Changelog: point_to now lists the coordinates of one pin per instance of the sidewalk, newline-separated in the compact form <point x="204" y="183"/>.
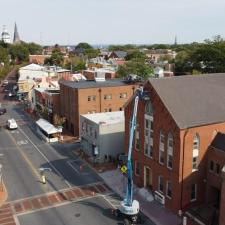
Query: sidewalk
<point x="152" y="209"/>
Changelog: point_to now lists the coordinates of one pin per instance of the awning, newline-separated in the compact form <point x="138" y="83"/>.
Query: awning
<point x="48" y="127"/>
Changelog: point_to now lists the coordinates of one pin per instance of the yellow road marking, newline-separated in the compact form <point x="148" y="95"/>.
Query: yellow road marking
<point x="33" y="169"/>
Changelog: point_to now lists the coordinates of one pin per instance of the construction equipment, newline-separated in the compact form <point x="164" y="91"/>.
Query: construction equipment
<point x="129" y="208"/>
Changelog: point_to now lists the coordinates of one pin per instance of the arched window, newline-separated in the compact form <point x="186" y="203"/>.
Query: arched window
<point x="196" y="144"/>
<point x="148" y="147"/>
<point x="149" y="109"/>
<point x="170" y="151"/>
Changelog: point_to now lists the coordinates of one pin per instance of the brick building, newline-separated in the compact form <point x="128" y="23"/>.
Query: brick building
<point x="174" y="143"/>
<point x="77" y="98"/>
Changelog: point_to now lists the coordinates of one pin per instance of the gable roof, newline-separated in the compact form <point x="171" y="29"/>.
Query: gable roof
<point x="193" y="100"/>
<point x="219" y="141"/>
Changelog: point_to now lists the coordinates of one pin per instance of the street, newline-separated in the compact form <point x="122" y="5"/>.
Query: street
<point x="24" y="152"/>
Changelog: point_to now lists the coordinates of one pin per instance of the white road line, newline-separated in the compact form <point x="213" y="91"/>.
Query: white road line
<point x="77" y="171"/>
<point x="44" y="156"/>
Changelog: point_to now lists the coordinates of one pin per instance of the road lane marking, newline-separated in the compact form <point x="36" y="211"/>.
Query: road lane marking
<point x="44" y="156"/>
<point x="25" y="157"/>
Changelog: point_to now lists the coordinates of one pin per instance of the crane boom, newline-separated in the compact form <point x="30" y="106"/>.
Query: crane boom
<point x="129" y="194"/>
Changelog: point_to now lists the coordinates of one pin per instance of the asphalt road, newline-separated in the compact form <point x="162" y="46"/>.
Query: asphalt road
<point x="94" y="211"/>
<point x="24" y="153"/>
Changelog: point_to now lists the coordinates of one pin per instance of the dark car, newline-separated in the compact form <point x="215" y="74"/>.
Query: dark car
<point x="2" y="111"/>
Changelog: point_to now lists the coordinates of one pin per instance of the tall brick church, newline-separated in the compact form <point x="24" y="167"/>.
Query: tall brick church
<point x="179" y="143"/>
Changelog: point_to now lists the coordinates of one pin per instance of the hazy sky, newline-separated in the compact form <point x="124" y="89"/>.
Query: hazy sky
<point x="114" y="21"/>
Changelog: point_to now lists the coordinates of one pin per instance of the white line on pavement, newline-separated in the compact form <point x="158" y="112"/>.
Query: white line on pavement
<point x="44" y="156"/>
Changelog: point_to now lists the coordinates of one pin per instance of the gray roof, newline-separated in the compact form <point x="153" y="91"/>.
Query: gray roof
<point x="193" y="100"/>
<point x="121" y="54"/>
<point x="219" y="141"/>
<point x="94" y="84"/>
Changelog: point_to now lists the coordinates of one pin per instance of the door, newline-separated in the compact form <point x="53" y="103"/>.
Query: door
<point x="147" y="177"/>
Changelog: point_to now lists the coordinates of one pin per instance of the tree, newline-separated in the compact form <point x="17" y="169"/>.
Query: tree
<point x="19" y="53"/>
<point x="134" y="67"/>
<point x="83" y="45"/>
<point x="56" y="58"/>
<point x="136" y="55"/>
<point x="4" y="55"/>
<point x="34" y="49"/>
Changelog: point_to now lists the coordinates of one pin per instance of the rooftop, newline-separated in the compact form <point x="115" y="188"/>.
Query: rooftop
<point x="106" y="118"/>
<point x="193" y="100"/>
<point x="93" y="84"/>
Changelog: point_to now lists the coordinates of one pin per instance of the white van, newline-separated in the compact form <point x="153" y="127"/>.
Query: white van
<point x="11" y="124"/>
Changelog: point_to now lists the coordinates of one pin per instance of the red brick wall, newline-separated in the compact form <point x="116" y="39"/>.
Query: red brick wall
<point x="222" y="201"/>
<point x="181" y="175"/>
<point x="74" y="102"/>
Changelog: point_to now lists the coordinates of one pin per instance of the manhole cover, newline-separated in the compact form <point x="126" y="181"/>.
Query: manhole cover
<point x="77" y="215"/>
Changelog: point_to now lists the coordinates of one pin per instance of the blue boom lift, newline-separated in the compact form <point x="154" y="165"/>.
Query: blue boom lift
<point x="129" y="208"/>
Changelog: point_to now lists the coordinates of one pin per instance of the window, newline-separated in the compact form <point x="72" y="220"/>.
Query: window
<point x="170" y="151"/>
<point x="91" y="98"/>
<point x="137" y="140"/>
<point x="95" y="134"/>
<point x="211" y="166"/>
<point x="148" y="132"/>
<point x="161" y="147"/>
<point x="123" y="95"/>
<point x="137" y="168"/>
<point x="169" y="189"/>
<point x="110" y="110"/>
<point x="105" y="110"/>
<point x="195" y="153"/>
<point x="193" y="192"/>
<point x="217" y="168"/>
<point x="160" y="187"/>
<point x="120" y="109"/>
<point x="108" y="97"/>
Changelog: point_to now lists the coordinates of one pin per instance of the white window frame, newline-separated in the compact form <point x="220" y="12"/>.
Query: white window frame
<point x="137" y="136"/>
<point x="194" y="199"/>
<point x="137" y="162"/>
<point x="170" y="151"/>
<point x="195" y="157"/>
<point x="159" y="182"/>
<point x="162" y="147"/>
<point x="167" y="186"/>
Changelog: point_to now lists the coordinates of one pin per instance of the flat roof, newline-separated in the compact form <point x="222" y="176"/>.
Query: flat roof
<point x="94" y="84"/>
<point x="106" y="118"/>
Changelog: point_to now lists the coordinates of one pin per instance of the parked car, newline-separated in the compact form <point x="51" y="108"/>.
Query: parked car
<point x="2" y="111"/>
<point x="11" y="124"/>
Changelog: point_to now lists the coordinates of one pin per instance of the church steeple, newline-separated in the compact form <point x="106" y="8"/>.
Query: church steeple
<point x="175" y="41"/>
<point x="16" y="37"/>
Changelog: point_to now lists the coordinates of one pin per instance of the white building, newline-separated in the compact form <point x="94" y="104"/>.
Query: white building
<point x="5" y="36"/>
<point x="102" y="135"/>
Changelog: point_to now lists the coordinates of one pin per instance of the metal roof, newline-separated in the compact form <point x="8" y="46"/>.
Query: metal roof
<point x="93" y="84"/>
<point x="193" y="100"/>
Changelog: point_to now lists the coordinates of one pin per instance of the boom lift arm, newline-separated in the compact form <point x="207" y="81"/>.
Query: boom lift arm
<point x="129" y="208"/>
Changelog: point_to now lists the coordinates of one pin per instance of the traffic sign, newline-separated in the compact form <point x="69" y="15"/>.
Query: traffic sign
<point x="124" y="169"/>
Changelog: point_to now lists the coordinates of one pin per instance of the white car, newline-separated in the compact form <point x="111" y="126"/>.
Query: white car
<point x="11" y="124"/>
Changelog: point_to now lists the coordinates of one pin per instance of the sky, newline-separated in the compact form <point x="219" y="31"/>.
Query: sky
<point x="68" y="22"/>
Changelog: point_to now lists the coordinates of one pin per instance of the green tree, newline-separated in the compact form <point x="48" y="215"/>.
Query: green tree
<point x="4" y="55"/>
<point x="19" y="53"/>
<point x="135" y="67"/>
<point x="136" y="55"/>
<point x="83" y="45"/>
<point x="56" y="58"/>
<point x="34" y="49"/>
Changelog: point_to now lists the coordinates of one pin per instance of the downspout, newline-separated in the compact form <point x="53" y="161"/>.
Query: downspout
<point x="181" y="199"/>
<point x="100" y="99"/>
